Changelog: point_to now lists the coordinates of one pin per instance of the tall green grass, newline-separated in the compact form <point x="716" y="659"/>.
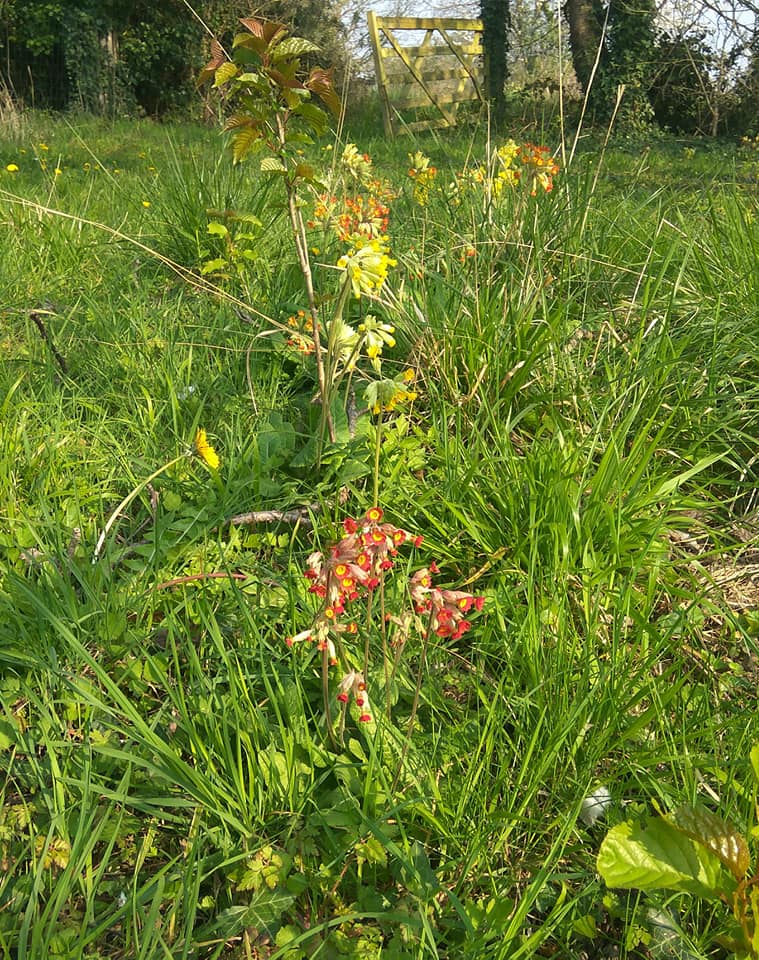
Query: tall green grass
<point x="587" y="406"/>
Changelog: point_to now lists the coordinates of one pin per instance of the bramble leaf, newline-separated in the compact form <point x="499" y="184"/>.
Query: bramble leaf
<point x="660" y="857"/>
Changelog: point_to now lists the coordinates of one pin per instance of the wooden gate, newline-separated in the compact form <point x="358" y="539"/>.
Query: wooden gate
<point x="438" y="74"/>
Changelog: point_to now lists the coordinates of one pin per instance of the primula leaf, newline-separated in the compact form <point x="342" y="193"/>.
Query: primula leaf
<point x="659" y="857"/>
<point x="714" y="833"/>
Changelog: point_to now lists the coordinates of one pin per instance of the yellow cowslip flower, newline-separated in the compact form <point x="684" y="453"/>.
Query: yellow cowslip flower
<point x="205" y="451"/>
<point x="385" y="395"/>
<point x="367" y="264"/>
<point x="146" y="203"/>
<point x="44" y="146"/>
<point x="12" y="168"/>
<point x="376" y="336"/>
<point x="58" y="171"/>
<point x="358" y="165"/>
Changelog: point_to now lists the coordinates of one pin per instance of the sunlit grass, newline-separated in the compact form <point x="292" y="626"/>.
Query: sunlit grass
<point x="582" y="452"/>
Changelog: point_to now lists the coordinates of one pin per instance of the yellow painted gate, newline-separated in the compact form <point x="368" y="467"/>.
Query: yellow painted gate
<point x="435" y="75"/>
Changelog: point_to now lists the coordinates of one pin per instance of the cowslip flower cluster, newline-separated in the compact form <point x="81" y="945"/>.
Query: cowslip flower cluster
<point x="446" y="609"/>
<point x="354" y="683"/>
<point x="539" y="164"/>
<point x="355" y="164"/>
<point x="367" y="264"/>
<point x="301" y="338"/>
<point x="356" y="561"/>
<point x="385" y="395"/>
<point x="511" y="164"/>
<point x="350" y="571"/>
<point x="366" y="215"/>
<point x="376" y="336"/>
<point x="423" y="174"/>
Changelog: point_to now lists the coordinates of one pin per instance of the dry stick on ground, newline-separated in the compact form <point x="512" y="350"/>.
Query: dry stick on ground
<point x="36" y="317"/>
<point x="301" y="515"/>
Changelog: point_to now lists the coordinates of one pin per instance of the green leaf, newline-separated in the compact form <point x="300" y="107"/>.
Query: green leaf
<point x="754" y="756"/>
<point x="217" y="229"/>
<point x="262" y="912"/>
<point x="244" y="141"/>
<point x="272" y="165"/>
<point x="226" y="72"/>
<point x="314" y="116"/>
<point x="212" y="266"/>
<point x="714" y="833"/>
<point x="659" y="857"/>
<point x="293" y="47"/>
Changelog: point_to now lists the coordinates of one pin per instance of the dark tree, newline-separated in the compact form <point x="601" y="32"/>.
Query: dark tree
<point x="585" y="19"/>
<point x="496" y="20"/>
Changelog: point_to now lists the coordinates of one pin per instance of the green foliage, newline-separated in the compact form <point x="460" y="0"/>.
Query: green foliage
<point x="694" y="851"/>
<point x="681" y="84"/>
<point x="580" y="451"/>
<point x="118" y="57"/>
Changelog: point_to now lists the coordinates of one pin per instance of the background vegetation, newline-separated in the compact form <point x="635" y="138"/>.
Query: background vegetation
<point x="582" y="453"/>
<point x="689" y="66"/>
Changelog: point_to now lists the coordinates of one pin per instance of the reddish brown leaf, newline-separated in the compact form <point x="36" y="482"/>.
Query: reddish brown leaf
<point x="217" y="59"/>
<point x="320" y="82"/>
<point x="265" y="30"/>
<point x="282" y="80"/>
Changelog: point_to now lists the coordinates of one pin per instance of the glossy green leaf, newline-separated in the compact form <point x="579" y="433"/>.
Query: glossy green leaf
<point x="293" y="47"/>
<point x="659" y="857"/>
<point x="714" y="833"/>
<point x="226" y="72"/>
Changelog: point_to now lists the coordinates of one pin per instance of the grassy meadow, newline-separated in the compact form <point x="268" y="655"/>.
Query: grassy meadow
<point x="579" y="449"/>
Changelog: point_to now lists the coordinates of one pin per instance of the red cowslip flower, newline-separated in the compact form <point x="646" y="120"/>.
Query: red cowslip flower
<point x="445" y="608"/>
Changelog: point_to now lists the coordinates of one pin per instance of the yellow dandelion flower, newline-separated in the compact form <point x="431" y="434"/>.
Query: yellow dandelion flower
<point x="205" y="451"/>
<point x="58" y="171"/>
<point x="44" y="146"/>
<point x="146" y="203"/>
<point x="12" y="168"/>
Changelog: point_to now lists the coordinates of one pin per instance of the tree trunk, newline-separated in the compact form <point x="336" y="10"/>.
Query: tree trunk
<point x="584" y="38"/>
<point x="496" y="20"/>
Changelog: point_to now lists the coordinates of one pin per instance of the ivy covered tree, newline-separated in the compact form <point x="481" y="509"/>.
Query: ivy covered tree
<point x="496" y="20"/>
